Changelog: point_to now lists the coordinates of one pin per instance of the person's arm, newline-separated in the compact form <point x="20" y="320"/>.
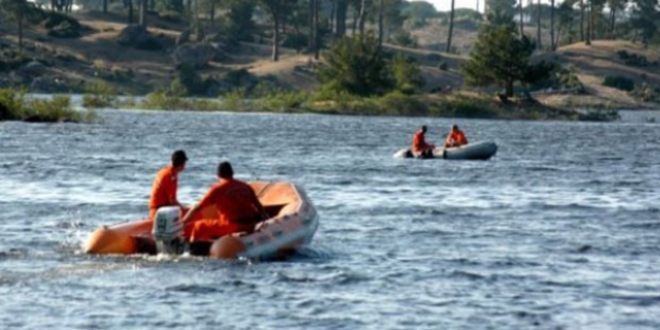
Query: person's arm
<point x="206" y="200"/>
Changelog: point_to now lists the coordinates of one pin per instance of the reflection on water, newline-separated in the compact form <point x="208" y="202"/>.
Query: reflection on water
<point x="557" y="231"/>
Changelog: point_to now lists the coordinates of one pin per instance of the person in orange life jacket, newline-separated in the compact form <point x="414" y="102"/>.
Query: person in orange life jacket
<point x="456" y="138"/>
<point x="419" y="145"/>
<point x="163" y="191"/>
<point x="237" y="205"/>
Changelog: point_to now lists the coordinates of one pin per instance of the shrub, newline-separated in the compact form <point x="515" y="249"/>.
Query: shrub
<point x="187" y="82"/>
<point x="404" y="38"/>
<point x="282" y="101"/>
<point x="297" y="41"/>
<point x="99" y="95"/>
<point x="234" y="100"/>
<point x="398" y="103"/>
<point x="171" y="16"/>
<point x="356" y="66"/>
<point x="634" y="59"/>
<point x="406" y="73"/>
<point x="619" y="82"/>
<point x="646" y="93"/>
<point x="14" y="106"/>
<point x="443" y="66"/>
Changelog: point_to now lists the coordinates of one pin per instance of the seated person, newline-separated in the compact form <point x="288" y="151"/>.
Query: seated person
<point x="237" y="205"/>
<point x="456" y="138"/>
<point x="419" y="145"/>
<point x="163" y="192"/>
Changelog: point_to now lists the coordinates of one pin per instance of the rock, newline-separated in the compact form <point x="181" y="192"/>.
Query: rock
<point x="197" y="55"/>
<point x="183" y="37"/>
<point x="138" y="37"/>
<point x="48" y="85"/>
<point x="34" y="68"/>
<point x="65" y="30"/>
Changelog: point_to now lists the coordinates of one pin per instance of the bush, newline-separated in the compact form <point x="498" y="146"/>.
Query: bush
<point x="397" y="103"/>
<point x="356" y="66"/>
<point x="99" y="95"/>
<point x="234" y="100"/>
<point x="171" y="16"/>
<point x="282" y="101"/>
<point x="646" y="93"/>
<point x="406" y="73"/>
<point x="14" y="106"/>
<point x="297" y="41"/>
<point x="404" y="38"/>
<point x="619" y="82"/>
<point x="187" y="82"/>
<point x="634" y="59"/>
<point x="560" y="78"/>
<point x="443" y="66"/>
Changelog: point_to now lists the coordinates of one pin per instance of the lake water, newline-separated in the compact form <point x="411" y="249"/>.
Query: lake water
<point x="560" y="230"/>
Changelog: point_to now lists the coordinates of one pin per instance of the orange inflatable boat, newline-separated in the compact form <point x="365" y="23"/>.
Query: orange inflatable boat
<point x="292" y="223"/>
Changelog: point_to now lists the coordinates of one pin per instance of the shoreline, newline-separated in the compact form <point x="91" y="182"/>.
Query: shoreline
<point x="458" y="104"/>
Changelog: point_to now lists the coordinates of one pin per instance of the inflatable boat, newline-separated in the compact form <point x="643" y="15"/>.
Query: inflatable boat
<point x="292" y="222"/>
<point x="482" y="150"/>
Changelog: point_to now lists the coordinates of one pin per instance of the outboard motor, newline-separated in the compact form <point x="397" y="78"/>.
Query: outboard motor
<point x="168" y="231"/>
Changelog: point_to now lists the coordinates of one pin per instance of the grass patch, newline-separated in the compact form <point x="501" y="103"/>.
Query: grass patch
<point x="15" y="106"/>
<point x="99" y="95"/>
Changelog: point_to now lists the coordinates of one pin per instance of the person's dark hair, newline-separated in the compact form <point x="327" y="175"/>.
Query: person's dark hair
<point x="455" y="127"/>
<point x="179" y="158"/>
<point x="225" y="171"/>
<point x="424" y="128"/>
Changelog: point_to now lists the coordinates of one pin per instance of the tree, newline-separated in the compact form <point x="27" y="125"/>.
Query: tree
<point x="646" y="19"/>
<point x="522" y="17"/>
<point x="239" y="19"/>
<point x="340" y="17"/>
<point x="407" y="76"/>
<point x="553" y="46"/>
<point x="356" y="66"/>
<point x="501" y="57"/>
<point x="538" y="25"/>
<point x="615" y="6"/>
<point x="273" y="6"/>
<point x="501" y="10"/>
<point x="566" y="16"/>
<point x="451" y="27"/>
<point x="363" y="15"/>
<point x="419" y="11"/>
<point x="581" y="20"/>
<point x="18" y="10"/>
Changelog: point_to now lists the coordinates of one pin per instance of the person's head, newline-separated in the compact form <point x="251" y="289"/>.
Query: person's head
<point x="179" y="159"/>
<point x="454" y="128"/>
<point x="225" y="171"/>
<point x="423" y="128"/>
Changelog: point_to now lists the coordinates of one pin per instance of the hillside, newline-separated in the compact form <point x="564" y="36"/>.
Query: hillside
<point x="69" y="64"/>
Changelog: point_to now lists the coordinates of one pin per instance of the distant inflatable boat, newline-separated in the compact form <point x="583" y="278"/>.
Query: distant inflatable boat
<point x="474" y="151"/>
<point x="292" y="224"/>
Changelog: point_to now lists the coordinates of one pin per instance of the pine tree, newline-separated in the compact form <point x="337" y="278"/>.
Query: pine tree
<point x="501" y="57"/>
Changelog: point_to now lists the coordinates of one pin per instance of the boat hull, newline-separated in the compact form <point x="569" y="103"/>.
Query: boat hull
<point x="483" y="150"/>
<point x="293" y="223"/>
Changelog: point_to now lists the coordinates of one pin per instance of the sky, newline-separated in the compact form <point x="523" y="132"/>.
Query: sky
<point x="444" y="5"/>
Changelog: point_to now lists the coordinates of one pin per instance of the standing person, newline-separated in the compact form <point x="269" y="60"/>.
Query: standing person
<point x="237" y="205"/>
<point x="456" y="138"/>
<point x="163" y="192"/>
<point x="419" y="145"/>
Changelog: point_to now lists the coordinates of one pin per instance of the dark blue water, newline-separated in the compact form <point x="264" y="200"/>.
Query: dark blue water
<point x="560" y="230"/>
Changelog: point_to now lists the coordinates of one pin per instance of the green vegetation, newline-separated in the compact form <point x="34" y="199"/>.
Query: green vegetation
<point x="502" y="57"/>
<point x="15" y="106"/>
<point x="619" y="82"/>
<point x="99" y="95"/>
<point x="356" y="66"/>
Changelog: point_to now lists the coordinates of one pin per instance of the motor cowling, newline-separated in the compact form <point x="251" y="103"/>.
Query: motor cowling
<point x="168" y="230"/>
